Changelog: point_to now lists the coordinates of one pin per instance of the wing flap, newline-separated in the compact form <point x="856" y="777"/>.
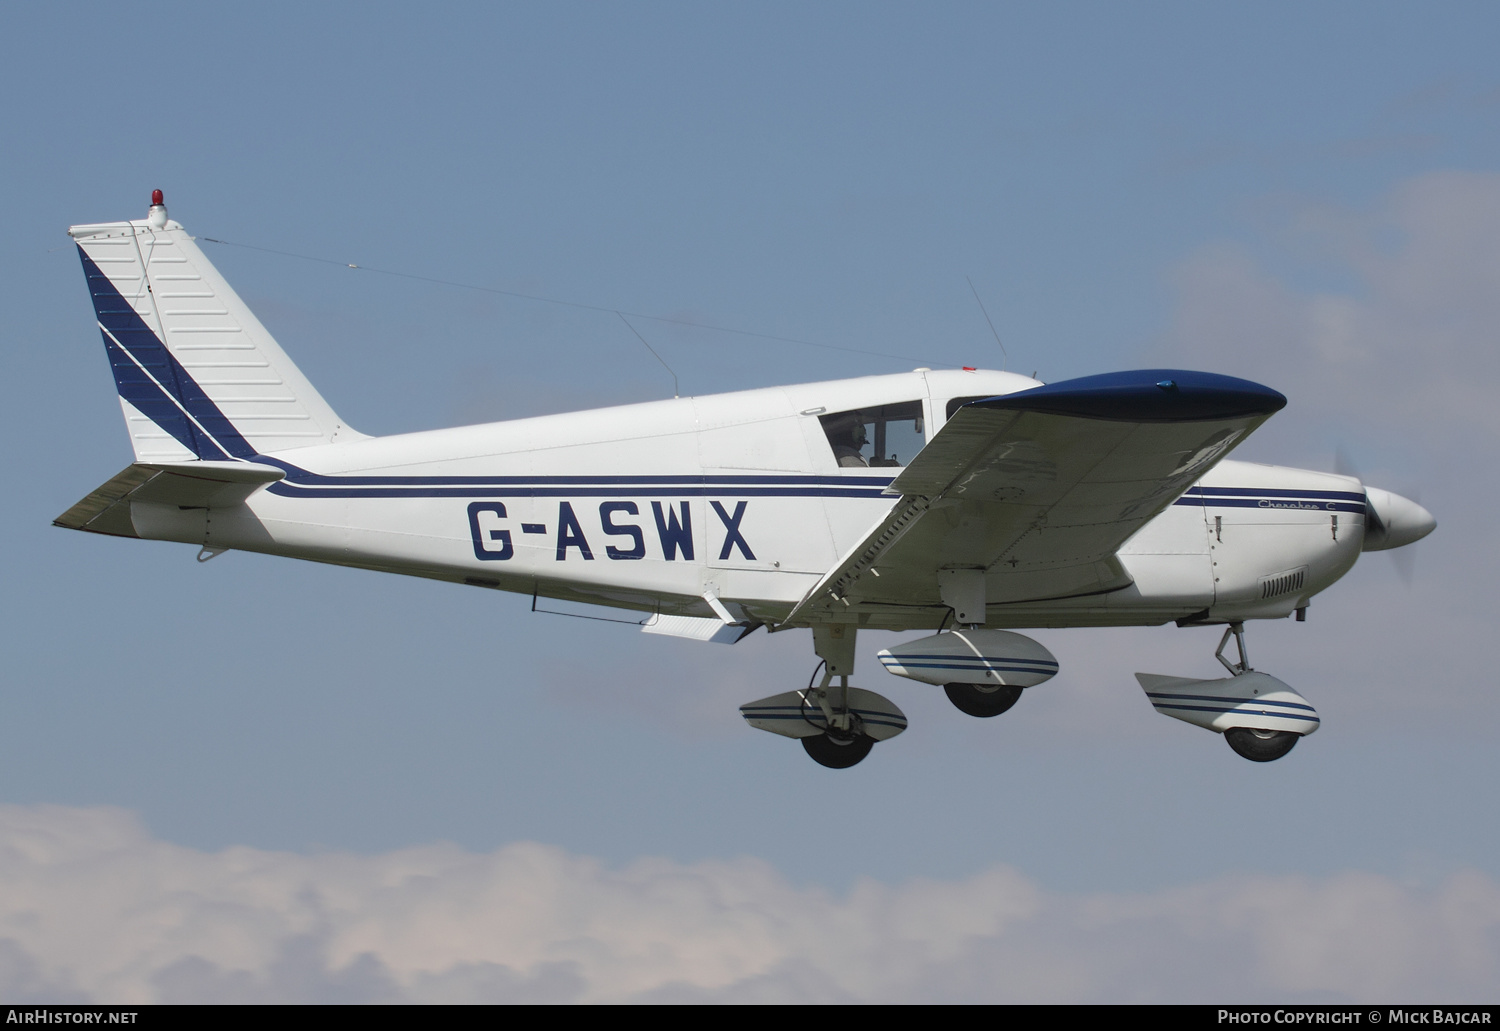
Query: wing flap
<point x="695" y="628"/>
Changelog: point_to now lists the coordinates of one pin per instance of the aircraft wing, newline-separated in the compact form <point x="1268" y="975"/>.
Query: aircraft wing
<point x="1041" y="487"/>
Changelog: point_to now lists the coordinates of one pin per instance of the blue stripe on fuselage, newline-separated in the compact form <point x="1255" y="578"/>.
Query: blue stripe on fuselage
<point x="1271" y="499"/>
<point x="623" y="491"/>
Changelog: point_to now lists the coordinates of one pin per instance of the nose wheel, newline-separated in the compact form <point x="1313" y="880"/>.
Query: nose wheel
<point x="1260" y="746"/>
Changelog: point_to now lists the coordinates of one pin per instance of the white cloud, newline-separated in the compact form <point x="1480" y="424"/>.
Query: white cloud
<point x="93" y="907"/>
<point x="1382" y="326"/>
<point x="1410" y="341"/>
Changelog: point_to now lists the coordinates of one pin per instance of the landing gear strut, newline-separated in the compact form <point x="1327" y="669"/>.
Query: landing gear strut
<point x="1237" y="630"/>
<point x="1259" y="746"/>
<point x="843" y="741"/>
<point x="837" y="724"/>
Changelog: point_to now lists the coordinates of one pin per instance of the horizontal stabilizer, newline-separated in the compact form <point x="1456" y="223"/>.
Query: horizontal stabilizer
<point x="184" y="484"/>
<point x="101" y="512"/>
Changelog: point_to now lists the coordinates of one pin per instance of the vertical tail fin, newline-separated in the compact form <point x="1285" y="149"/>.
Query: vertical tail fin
<point x="199" y="377"/>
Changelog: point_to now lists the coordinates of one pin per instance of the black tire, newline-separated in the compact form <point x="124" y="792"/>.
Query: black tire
<point x="981" y="699"/>
<point x="1260" y="746"/>
<point x="838" y="753"/>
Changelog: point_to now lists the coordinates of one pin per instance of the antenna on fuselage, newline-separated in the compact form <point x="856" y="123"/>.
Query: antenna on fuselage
<point x="1003" y="351"/>
<point x="664" y="365"/>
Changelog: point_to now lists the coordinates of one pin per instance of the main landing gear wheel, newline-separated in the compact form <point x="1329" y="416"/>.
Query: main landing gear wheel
<point x="838" y="752"/>
<point x="982" y="699"/>
<point x="1260" y="746"/>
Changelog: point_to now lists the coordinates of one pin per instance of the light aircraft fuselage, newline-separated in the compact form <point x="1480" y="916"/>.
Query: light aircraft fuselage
<point x="739" y="494"/>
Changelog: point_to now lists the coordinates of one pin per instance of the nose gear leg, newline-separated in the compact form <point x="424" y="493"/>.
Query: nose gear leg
<point x="1237" y="630"/>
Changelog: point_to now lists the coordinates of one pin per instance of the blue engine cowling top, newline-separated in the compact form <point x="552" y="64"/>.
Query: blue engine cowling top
<point x="993" y="657"/>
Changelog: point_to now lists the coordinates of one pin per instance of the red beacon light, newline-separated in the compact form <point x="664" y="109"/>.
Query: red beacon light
<point x="157" y="216"/>
<point x="967" y="368"/>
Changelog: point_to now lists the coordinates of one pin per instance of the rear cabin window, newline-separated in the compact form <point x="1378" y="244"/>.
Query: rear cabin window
<point x="887" y="435"/>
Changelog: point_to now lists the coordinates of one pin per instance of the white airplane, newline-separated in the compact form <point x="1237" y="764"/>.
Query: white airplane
<point x="953" y="502"/>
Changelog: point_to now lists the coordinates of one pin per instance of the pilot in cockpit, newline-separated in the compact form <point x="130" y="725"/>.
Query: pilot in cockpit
<point x="848" y="439"/>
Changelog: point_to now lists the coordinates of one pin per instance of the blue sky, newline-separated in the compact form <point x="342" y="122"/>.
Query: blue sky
<point x="1305" y="194"/>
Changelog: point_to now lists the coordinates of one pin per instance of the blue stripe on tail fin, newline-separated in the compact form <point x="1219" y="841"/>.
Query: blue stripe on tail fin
<point x="153" y="381"/>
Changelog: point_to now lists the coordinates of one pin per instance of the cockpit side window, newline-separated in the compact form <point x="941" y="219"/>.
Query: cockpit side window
<point x="887" y="435"/>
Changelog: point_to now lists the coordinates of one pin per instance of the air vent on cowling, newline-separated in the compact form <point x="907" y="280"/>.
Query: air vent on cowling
<point x="1277" y="584"/>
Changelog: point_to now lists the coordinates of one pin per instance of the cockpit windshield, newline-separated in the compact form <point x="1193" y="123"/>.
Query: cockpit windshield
<point x="886" y="435"/>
